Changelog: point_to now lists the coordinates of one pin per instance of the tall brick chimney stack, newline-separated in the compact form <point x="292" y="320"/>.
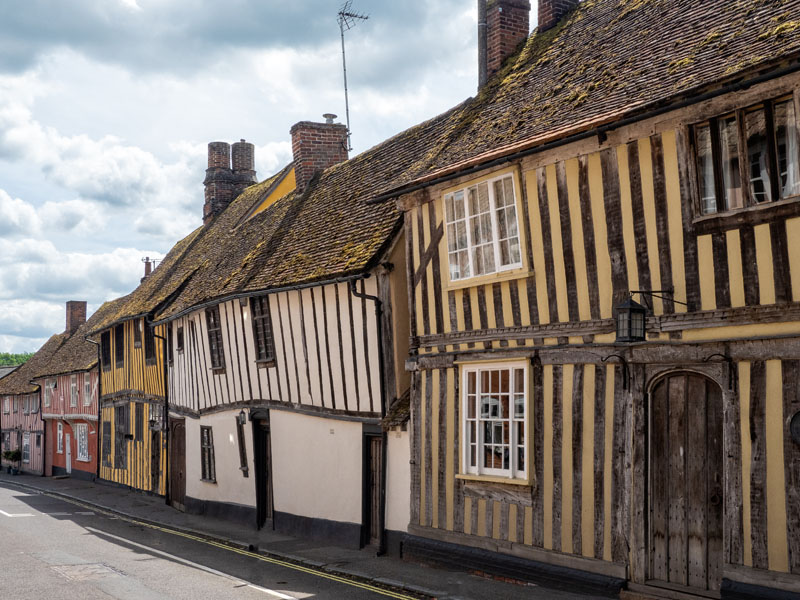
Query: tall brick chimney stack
<point x="244" y="166"/>
<point x="317" y="146"/>
<point x="219" y="181"/>
<point x="76" y="315"/>
<point x="551" y="11"/>
<point x="507" y="25"/>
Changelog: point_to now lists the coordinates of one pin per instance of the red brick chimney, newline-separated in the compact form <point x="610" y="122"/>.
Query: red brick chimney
<point x="76" y="315"/>
<point x="507" y="25"/>
<point x="219" y="180"/>
<point x="551" y="12"/>
<point x="244" y="166"/>
<point x="317" y="146"/>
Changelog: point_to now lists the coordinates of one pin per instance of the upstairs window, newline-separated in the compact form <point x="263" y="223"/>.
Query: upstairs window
<point x="495" y="420"/>
<point x="170" y="344"/>
<point x="262" y="329"/>
<point x="215" y="338"/>
<point x="482" y="230"/>
<point x="137" y="333"/>
<point x="748" y="157"/>
<point x="48" y="393"/>
<point x="179" y="339"/>
<point x="119" y="345"/>
<point x="149" y="345"/>
<point x="87" y="389"/>
<point x="25" y="407"/>
<point x="73" y="391"/>
<point x="105" y="350"/>
<point x="6" y="403"/>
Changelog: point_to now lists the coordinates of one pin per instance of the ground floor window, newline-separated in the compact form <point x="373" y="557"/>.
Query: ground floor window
<point x="106" y="444"/>
<point x="82" y="433"/>
<point x="26" y="447"/>
<point x="6" y="441"/>
<point x="495" y="419"/>
<point x="207" y="454"/>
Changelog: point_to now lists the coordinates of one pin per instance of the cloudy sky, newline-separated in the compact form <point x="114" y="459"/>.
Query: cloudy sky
<point x="106" y="108"/>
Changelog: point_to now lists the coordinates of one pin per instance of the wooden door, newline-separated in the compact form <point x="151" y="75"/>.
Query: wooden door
<point x="68" y="439"/>
<point x="262" y="449"/>
<point x="177" y="463"/>
<point x="155" y="461"/>
<point x="373" y="488"/>
<point x="685" y="483"/>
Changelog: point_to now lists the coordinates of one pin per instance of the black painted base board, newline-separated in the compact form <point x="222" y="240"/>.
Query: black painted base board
<point x="733" y="590"/>
<point x="465" y="558"/>
<point x="237" y="513"/>
<point x="347" y="535"/>
<point x="76" y="473"/>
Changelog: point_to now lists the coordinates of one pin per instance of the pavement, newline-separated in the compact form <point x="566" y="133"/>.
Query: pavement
<point x="363" y="565"/>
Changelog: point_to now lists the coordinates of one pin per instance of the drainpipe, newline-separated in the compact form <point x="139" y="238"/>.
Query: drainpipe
<point x="384" y="444"/>
<point x="99" y="433"/>
<point x="165" y="430"/>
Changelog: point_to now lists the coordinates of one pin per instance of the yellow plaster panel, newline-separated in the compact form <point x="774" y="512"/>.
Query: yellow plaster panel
<point x="416" y="260"/>
<point x="436" y="429"/>
<point x="674" y="216"/>
<point x="600" y="235"/>
<point x="777" y="543"/>
<point x="793" y="233"/>
<point x="536" y="243"/>
<point x="608" y="439"/>
<point x="651" y="228"/>
<point x="528" y="526"/>
<point x="566" y="459"/>
<point x="587" y="463"/>
<point x="766" y="278"/>
<point x="626" y="208"/>
<point x="578" y="245"/>
<point x="283" y="188"/>
<point x="482" y="518"/>
<point x="524" y="307"/>
<point x="547" y="493"/>
<point x="735" y="267"/>
<point x="557" y="244"/>
<point x="423" y="458"/>
<point x="450" y="376"/>
<point x="705" y="259"/>
<point x="512" y="519"/>
<point x="747" y="454"/>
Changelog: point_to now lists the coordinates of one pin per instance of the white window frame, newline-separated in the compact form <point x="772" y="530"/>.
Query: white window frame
<point x="513" y="472"/>
<point x="82" y="440"/>
<point x="34" y="404"/>
<point x="48" y="392"/>
<point x="26" y="447"/>
<point x="60" y="438"/>
<point x="87" y="389"/>
<point x="471" y="245"/>
<point x="16" y="405"/>
<point x="6" y="405"/>
<point x="73" y="391"/>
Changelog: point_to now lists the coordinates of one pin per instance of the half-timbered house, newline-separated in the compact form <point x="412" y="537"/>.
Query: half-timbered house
<point x="630" y="150"/>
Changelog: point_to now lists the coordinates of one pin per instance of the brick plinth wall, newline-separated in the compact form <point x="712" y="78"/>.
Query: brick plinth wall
<point x="551" y="11"/>
<point x="316" y="146"/>
<point x="76" y="315"/>
<point x="507" y="25"/>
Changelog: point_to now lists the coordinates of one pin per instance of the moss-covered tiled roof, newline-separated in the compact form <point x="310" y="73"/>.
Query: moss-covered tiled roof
<point x="605" y="60"/>
<point x="62" y="353"/>
<point x="608" y="59"/>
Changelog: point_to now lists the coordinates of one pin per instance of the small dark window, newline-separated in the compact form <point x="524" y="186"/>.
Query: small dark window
<point x="106" y="444"/>
<point x="139" y="421"/>
<point x="215" y="338"/>
<point x="242" y="449"/>
<point x="262" y="328"/>
<point x="119" y="345"/>
<point x="149" y="345"/>
<point x="38" y="440"/>
<point x="120" y="440"/>
<point x="170" y="349"/>
<point x="137" y="333"/>
<point x="179" y="339"/>
<point x="105" y="349"/>
<point x="207" y="454"/>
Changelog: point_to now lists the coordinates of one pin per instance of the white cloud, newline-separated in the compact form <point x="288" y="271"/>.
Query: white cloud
<point x="17" y="217"/>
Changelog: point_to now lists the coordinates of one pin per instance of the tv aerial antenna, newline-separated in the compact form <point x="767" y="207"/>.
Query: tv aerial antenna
<point x="347" y="20"/>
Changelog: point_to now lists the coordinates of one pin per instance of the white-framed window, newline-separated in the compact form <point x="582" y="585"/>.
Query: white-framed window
<point x="16" y="405"/>
<point x="87" y="389"/>
<point x="34" y="407"/>
<point x="495" y="419"/>
<point x="482" y="229"/>
<point x="82" y="433"/>
<point x="6" y="405"/>
<point x="25" y="405"/>
<point x="73" y="390"/>
<point x="48" y="393"/>
<point x="60" y="438"/>
<point x="26" y="447"/>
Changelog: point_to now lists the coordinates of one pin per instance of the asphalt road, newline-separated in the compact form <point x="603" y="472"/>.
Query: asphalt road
<point x="51" y="548"/>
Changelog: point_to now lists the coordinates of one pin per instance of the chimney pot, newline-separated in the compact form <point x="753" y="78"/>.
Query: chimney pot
<point x="317" y="146"/>
<point x="76" y="315"/>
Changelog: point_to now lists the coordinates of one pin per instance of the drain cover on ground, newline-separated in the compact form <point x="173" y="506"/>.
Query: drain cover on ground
<point x="90" y="572"/>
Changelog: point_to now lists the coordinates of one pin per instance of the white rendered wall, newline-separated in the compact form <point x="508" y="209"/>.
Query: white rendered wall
<point x="316" y="463"/>
<point x="398" y="481"/>
<point x="232" y="486"/>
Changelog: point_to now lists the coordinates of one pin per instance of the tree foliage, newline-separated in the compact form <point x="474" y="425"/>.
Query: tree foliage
<point x="8" y="359"/>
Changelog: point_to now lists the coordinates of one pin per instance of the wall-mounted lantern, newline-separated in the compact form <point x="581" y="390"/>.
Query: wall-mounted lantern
<point x="631" y="318"/>
<point x="242" y="418"/>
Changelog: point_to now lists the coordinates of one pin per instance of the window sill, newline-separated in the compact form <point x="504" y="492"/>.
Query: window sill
<point x="214" y="481"/>
<point x="493" y="479"/>
<point x="84" y="460"/>
<point x="510" y="275"/>
<point x="749" y="215"/>
<point x="266" y="363"/>
<point x="218" y="370"/>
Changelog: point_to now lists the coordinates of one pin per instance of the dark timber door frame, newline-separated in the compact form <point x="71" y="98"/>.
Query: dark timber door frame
<point x="262" y="458"/>
<point x="372" y="464"/>
<point x="685" y="483"/>
<point x="177" y="463"/>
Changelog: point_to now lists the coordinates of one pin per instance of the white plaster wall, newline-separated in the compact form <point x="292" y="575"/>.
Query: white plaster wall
<point x="398" y="481"/>
<point x="232" y="486"/>
<point x="317" y="466"/>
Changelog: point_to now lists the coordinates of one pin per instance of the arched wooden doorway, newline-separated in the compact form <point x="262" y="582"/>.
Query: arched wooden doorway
<point x="685" y="492"/>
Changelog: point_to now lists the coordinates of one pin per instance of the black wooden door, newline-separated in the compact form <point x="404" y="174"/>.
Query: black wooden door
<point x="263" y="465"/>
<point x="155" y="461"/>
<point x="685" y="482"/>
<point x="177" y="463"/>
<point x="373" y="487"/>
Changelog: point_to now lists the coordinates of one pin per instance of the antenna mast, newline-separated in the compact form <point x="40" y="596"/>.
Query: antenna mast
<point x="347" y="20"/>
